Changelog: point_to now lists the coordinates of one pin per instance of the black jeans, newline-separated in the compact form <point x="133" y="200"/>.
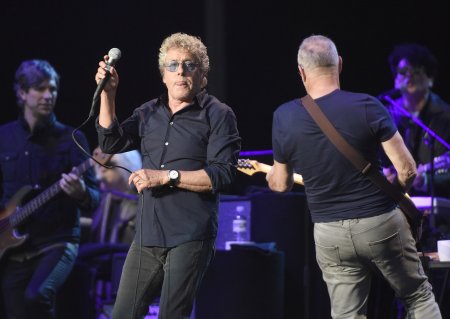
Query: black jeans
<point x="173" y="273"/>
<point x="28" y="287"/>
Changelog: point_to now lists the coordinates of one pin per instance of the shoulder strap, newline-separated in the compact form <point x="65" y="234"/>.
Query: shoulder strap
<point x="359" y="161"/>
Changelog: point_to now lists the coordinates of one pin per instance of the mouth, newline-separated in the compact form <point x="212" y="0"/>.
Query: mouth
<point x="181" y="83"/>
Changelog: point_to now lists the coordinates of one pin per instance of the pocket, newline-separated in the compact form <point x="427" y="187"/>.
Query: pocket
<point x="8" y="164"/>
<point x="386" y="249"/>
<point x="327" y="255"/>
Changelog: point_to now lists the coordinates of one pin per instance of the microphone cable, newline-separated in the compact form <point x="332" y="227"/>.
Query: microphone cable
<point x="114" y="55"/>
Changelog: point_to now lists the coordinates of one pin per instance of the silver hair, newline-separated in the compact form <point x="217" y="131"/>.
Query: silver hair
<point x="317" y="51"/>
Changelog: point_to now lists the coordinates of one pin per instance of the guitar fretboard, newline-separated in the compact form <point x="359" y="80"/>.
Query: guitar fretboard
<point x="24" y="212"/>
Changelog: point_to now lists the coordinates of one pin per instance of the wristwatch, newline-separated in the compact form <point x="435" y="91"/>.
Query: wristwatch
<point x="174" y="177"/>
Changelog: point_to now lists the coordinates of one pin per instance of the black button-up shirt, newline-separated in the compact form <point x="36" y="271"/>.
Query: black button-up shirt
<point x="38" y="159"/>
<point x="202" y="135"/>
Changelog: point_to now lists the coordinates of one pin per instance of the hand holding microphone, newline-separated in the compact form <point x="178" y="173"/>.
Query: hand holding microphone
<point x="104" y="73"/>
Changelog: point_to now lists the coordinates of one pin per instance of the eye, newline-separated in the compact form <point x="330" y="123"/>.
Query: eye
<point x="172" y="66"/>
<point x="402" y="71"/>
<point x="190" y="66"/>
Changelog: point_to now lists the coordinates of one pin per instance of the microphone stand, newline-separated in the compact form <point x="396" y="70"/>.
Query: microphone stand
<point x="417" y="121"/>
<point x="430" y="136"/>
<point x="429" y="141"/>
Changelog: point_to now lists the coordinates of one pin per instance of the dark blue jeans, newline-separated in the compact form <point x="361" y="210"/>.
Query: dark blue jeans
<point x="172" y="273"/>
<point x="29" y="286"/>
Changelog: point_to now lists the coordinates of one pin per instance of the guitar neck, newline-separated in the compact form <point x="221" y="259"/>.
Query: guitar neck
<point x="440" y="162"/>
<point x="250" y="167"/>
<point x="24" y="212"/>
<point x="264" y="168"/>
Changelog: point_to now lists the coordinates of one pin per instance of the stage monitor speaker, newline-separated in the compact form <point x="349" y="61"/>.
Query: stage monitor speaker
<point x="243" y="284"/>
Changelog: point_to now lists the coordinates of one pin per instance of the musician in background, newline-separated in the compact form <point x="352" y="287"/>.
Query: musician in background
<point x="38" y="150"/>
<point x="114" y="221"/>
<point x="414" y="69"/>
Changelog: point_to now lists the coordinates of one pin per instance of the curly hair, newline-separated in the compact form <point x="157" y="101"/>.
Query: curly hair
<point x="189" y="43"/>
<point x="417" y="55"/>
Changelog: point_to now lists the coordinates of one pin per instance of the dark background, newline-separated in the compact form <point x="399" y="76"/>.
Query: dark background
<point x="252" y="46"/>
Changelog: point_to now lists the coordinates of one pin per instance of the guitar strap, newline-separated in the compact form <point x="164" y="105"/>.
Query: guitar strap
<point x="413" y="214"/>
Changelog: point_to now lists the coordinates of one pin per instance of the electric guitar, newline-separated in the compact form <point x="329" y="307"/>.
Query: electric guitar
<point x="15" y="215"/>
<point x="251" y="167"/>
<point x="441" y="164"/>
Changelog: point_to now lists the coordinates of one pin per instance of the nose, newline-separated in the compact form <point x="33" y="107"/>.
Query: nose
<point x="49" y="94"/>
<point x="181" y="69"/>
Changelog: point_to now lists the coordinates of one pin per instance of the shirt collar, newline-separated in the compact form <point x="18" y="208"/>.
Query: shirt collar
<point x="41" y="126"/>
<point x="199" y="99"/>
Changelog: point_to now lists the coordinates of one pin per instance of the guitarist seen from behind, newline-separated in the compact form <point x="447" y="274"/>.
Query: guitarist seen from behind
<point x="357" y="226"/>
<point x="37" y="150"/>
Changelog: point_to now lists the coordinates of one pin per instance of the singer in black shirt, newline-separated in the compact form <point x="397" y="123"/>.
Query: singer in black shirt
<point x="189" y="144"/>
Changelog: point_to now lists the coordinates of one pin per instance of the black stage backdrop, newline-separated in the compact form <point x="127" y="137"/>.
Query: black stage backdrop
<point x="252" y="46"/>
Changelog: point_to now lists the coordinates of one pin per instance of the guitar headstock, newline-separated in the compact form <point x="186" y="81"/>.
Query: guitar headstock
<point x="247" y="166"/>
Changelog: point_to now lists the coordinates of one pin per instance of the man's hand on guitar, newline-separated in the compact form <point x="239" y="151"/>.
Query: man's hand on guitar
<point x="420" y="182"/>
<point x="73" y="185"/>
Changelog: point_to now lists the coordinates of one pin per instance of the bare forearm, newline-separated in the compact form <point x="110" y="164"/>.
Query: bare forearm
<point x="280" y="177"/>
<point x="196" y="181"/>
<point x="107" y="110"/>
<point x="402" y="160"/>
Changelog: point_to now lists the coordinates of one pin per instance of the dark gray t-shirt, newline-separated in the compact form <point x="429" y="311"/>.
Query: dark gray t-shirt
<point x="334" y="188"/>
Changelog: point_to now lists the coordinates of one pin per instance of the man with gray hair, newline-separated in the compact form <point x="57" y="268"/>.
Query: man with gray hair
<point x="189" y="144"/>
<point x="357" y="227"/>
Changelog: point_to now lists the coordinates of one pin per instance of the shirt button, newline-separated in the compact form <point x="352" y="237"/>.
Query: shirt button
<point x="171" y="123"/>
<point x="162" y="165"/>
<point x="26" y="153"/>
<point x="166" y="143"/>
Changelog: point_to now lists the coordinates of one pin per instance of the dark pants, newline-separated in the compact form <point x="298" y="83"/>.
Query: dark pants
<point x="173" y="273"/>
<point x="29" y="286"/>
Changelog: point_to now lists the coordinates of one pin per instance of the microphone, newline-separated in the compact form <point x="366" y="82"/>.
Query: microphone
<point x="114" y="56"/>
<point x="391" y="94"/>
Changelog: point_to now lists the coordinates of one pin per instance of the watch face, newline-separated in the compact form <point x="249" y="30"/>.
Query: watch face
<point x="173" y="174"/>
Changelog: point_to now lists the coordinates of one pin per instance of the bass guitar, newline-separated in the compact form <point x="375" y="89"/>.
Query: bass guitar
<point x="15" y="215"/>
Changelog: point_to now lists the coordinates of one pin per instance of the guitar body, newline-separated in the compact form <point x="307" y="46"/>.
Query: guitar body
<point x="9" y="238"/>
